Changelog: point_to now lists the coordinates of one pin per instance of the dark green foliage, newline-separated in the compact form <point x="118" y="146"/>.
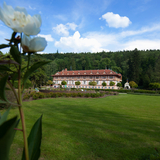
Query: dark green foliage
<point x="111" y="83"/>
<point x="133" y="84"/>
<point x="154" y="85"/>
<point x="77" y="83"/>
<point x="63" y="83"/>
<point x="93" y="83"/>
<point x="104" y="84"/>
<point x="7" y="133"/>
<point x="119" y="84"/>
<point x="34" y="141"/>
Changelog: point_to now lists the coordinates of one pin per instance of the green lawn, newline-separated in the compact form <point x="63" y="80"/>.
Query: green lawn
<point x="123" y="127"/>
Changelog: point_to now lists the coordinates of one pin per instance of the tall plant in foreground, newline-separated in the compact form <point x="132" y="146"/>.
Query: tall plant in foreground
<point x="23" y="26"/>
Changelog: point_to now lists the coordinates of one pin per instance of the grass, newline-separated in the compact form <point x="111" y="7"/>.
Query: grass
<point x="123" y="127"/>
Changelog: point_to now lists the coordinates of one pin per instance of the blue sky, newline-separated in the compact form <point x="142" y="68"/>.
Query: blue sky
<point x="93" y="25"/>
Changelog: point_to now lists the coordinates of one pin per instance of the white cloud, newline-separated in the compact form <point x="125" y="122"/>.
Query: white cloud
<point x="71" y="26"/>
<point x="142" y="44"/>
<point x="77" y="44"/>
<point x="48" y="37"/>
<point x="62" y="29"/>
<point x="115" y="20"/>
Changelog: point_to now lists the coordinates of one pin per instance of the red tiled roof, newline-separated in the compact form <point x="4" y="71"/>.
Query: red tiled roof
<point x="86" y="73"/>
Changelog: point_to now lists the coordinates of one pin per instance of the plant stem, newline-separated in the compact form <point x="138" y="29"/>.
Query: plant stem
<point x="22" y="115"/>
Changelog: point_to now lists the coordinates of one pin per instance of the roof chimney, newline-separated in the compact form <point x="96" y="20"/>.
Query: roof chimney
<point x="65" y="69"/>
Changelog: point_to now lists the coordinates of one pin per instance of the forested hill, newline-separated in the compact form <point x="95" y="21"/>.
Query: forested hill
<point x="143" y="67"/>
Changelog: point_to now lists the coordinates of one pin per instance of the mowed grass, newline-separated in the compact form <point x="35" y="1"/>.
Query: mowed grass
<point x="123" y="127"/>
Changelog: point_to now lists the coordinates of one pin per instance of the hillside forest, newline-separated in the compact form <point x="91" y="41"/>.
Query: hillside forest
<point x="142" y="67"/>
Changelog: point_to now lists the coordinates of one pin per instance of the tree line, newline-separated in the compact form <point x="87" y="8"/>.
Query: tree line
<point x="140" y="66"/>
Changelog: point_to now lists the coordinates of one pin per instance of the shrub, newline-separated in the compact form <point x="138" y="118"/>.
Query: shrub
<point x="93" y="83"/>
<point x="87" y="95"/>
<point x="112" y="83"/>
<point x="133" y="84"/>
<point x="80" y="94"/>
<point x="26" y="96"/>
<point x="104" y="84"/>
<point x="77" y="83"/>
<point x="74" y="94"/>
<point x="35" y="96"/>
<point x="53" y="95"/>
<point x="119" y="84"/>
<point x="68" y="94"/>
<point x="63" y="82"/>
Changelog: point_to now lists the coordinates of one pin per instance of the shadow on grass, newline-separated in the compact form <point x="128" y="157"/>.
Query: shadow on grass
<point x="73" y="131"/>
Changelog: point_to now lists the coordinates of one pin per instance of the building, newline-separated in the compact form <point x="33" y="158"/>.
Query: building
<point x="86" y="76"/>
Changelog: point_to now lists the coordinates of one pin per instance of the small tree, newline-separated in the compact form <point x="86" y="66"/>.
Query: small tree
<point x="112" y="83"/>
<point x="119" y="84"/>
<point x="77" y="83"/>
<point x="63" y="83"/>
<point x="104" y="84"/>
<point x="49" y="82"/>
<point x="154" y="85"/>
<point x="133" y="84"/>
<point x="93" y="83"/>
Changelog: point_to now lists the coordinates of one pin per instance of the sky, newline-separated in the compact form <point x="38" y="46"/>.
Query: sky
<point x="93" y="25"/>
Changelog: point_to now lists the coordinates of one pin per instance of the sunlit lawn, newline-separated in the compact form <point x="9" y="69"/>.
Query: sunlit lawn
<point x="115" y="127"/>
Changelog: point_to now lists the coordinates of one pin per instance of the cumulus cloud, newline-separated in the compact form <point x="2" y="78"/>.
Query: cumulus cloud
<point x="48" y="37"/>
<point x="77" y="44"/>
<point x="62" y="29"/>
<point x="115" y="20"/>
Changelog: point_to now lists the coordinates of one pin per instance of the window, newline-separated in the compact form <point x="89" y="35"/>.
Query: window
<point x="61" y="77"/>
<point x="97" y="77"/>
<point x="67" y="77"/>
<point x="78" y="77"/>
<point x="103" y="77"/>
<point x="90" y="77"/>
<point x="97" y="82"/>
<point x="72" y="77"/>
<point x="112" y="87"/>
<point x="98" y="87"/>
<point x="86" y="86"/>
<point x="56" y="77"/>
<point x="84" y="77"/>
<point x="84" y="82"/>
<point x="106" y="87"/>
<point x="111" y="77"/>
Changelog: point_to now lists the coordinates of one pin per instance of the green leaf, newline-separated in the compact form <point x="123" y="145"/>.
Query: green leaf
<point x="15" y="54"/>
<point x="7" y="134"/>
<point x="4" y="46"/>
<point x="3" y="118"/>
<point x="4" y="68"/>
<point x="32" y="69"/>
<point x="2" y="101"/>
<point x="34" y="141"/>
<point x="3" y="81"/>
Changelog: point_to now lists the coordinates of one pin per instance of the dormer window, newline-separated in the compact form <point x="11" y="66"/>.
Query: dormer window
<point x="67" y="73"/>
<point x="104" y="72"/>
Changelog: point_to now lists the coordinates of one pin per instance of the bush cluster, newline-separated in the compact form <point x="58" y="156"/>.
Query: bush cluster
<point x="39" y="95"/>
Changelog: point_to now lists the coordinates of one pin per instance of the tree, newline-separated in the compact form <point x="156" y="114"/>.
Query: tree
<point x="63" y="83"/>
<point x="77" y="83"/>
<point x="112" y="83"/>
<point x="49" y="82"/>
<point x="119" y="84"/>
<point x="93" y="83"/>
<point x="154" y="85"/>
<point x="133" y="84"/>
<point x="104" y="84"/>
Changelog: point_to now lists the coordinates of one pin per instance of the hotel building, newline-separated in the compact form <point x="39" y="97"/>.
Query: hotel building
<point x="86" y="76"/>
